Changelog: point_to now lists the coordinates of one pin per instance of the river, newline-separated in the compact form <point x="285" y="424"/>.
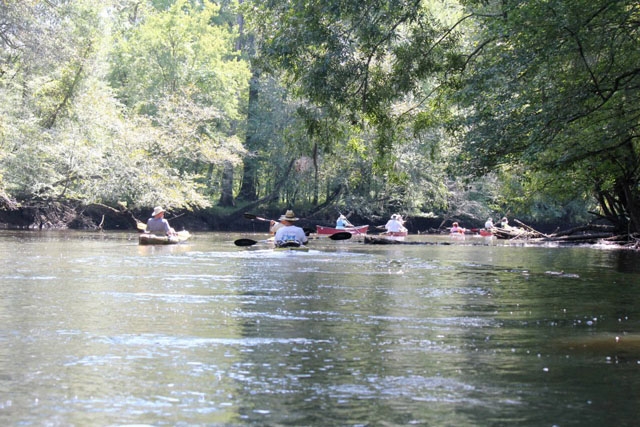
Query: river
<point x="97" y="330"/>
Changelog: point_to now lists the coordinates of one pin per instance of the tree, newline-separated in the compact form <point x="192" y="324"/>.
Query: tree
<point x="364" y="72"/>
<point x="151" y="137"/>
<point x="176" y="67"/>
<point x="554" y="86"/>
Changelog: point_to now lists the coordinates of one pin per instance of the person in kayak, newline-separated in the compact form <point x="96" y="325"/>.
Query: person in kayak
<point x="456" y="229"/>
<point x="289" y="234"/>
<point x="342" y="222"/>
<point x="395" y="224"/>
<point x="157" y="224"/>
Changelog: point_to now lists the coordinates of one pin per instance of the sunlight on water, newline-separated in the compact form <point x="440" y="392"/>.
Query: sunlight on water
<point x="97" y="330"/>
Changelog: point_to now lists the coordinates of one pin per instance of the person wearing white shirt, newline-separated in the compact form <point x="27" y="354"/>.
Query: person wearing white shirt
<point x="289" y="234"/>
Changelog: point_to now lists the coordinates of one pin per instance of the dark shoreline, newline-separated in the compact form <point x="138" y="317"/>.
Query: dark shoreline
<point x="53" y="215"/>
<point x="73" y="215"/>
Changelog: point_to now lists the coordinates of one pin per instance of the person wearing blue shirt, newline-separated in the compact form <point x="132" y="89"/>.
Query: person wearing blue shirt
<point x="342" y="222"/>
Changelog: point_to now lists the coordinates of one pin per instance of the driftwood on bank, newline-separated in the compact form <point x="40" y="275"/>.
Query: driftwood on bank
<point x="592" y="233"/>
<point x="589" y="228"/>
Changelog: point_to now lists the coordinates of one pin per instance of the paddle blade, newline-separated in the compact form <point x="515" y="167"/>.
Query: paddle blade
<point x="244" y="242"/>
<point x="258" y="218"/>
<point x="343" y="235"/>
<point x="141" y="226"/>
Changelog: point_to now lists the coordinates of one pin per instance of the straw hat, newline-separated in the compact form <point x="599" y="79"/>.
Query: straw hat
<point x="288" y="216"/>
<point x="157" y="210"/>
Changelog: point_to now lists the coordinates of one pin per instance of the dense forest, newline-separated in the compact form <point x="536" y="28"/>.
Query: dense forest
<point x="434" y="109"/>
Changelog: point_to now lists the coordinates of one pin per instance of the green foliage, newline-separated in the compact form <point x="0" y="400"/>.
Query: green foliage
<point x="183" y="72"/>
<point x="554" y="89"/>
<point x="366" y="69"/>
<point x="471" y="108"/>
<point x="353" y="56"/>
<point x="65" y="134"/>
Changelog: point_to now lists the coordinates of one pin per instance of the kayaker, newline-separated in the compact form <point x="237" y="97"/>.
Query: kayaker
<point x="395" y="224"/>
<point x="504" y="223"/>
<point x="489" y="224"/>
<point x="157" y="223"/>
<point x="456" y="229"/>
<point x="342" y="222"/>
<point x="289" y="233"/>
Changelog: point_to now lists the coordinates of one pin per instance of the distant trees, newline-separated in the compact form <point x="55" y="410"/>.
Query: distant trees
<point x="367" y="72"/>
<point x="118" y="101"/>
<point x="417" y="106"/>
<point x="174" y="67"/>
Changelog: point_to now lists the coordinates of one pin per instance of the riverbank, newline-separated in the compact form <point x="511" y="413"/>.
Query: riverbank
<point x="48" y="214"/>
<point x="59" y="215"/>
<point x="55" y="214"/>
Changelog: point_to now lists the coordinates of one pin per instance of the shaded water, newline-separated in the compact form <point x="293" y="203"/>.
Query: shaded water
<point x="96" y="330"/>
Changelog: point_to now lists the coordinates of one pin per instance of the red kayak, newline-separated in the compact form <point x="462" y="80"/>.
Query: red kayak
<point x="328" y="231"/>
<point x="395" y="233"/>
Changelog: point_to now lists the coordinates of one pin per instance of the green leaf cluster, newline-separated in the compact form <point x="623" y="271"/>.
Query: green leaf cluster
<point x="457" y="108"/>
<point x="553" y="92"/>
<point x="118" y="101"/>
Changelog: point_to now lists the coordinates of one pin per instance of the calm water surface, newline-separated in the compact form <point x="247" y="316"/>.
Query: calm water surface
<point x="96" y="330"/>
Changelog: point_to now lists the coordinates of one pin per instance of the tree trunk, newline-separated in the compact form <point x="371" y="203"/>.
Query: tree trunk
<point x="316" y="181"/>
<point x="248" y="190"/>
<point x="226" y="197"/>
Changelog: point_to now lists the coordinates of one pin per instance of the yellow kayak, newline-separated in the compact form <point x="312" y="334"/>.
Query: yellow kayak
<point x="153" y="239"/>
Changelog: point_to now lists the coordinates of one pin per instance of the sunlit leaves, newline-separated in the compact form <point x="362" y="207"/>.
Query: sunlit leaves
<point x="177" y="68"/>
<point x="65" y="134"/>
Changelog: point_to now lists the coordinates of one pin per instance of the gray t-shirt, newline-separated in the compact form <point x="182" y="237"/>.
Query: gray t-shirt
<point x="158" y="225"/>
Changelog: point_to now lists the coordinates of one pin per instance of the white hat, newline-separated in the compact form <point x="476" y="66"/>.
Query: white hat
<point x="157" y="210"/>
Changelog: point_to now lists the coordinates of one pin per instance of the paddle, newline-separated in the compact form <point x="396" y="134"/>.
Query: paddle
<point x="251" y="216"/>
<point x="342" y="235"/>
<point x="335" y="236"/>
<point x="244" y="242"/>
<point x="307" y="231"/>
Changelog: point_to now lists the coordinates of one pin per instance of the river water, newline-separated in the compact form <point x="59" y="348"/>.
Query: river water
<point x="97" y="330"/>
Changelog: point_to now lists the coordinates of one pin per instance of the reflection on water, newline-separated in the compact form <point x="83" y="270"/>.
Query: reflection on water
<point x="96" y="330"/>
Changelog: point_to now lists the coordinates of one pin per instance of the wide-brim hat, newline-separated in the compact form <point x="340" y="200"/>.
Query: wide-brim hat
<point x="288" y="216"/>
<point x="157" y="210"/>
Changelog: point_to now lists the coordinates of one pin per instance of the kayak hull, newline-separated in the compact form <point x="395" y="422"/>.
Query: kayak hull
<point x="154" y="239"/>
<point x="291" y="246"/>
<point x="395" y="234"/>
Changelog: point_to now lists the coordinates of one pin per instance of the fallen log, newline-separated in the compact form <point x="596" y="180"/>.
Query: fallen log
<point x="529" y="229"/>
<point x="586" y="238"/>
<point x="371" y="240"/>
<point x="583" y="228"/>
<point x="511" y="233"/>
